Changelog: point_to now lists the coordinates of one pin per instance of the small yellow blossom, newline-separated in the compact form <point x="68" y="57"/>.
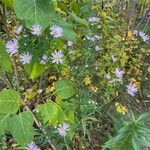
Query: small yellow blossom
<point x="87" y="80"/>
<point x="93" y="88"/>
<point x="50" y="89"/>
<point x="121" y="108"/>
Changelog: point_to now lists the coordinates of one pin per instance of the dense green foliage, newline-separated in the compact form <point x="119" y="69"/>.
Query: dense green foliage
<point x="73" y="75"/>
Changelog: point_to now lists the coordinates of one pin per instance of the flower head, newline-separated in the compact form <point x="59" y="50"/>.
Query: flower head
<point x="69" y="43"/>
<point x="121" y="108"/>
<point x="36" y="30"/>
<point x="131" y="88"/>
<point x="135" y="32"/>
<point x="25" y="58"/>
<point x="57" y="57"/>
<point x="119" y="73"/>
<point x="62" y="129"/>
<point x="12" y="46"/>
<point x="18" y="29"/>
<point x="32" y="146"/>
<point x="144" y="36"/>
<point x="97" y="48"/>
<point x="44" y="59"/>
<point x="93" y="19"/>
<point x="114" y="59"/>
<point x="56" y="31"/>
<point x="97" y="37"/>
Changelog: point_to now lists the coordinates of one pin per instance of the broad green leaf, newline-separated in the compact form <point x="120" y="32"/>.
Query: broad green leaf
<point x="22" y="128"/>
<point x="51" y="113"/>
<point x="4" y="124"/>
<point x="34" y="12"/>
<point x="78" y="20"/>
<point x="65" y="89"/>
<point x="35" y="70"/>
<point x="68" y="32"/>
<point x="5" y="61"/>
<point x="9" y="101"/>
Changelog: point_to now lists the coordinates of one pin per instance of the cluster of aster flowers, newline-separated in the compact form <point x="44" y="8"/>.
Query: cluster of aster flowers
<point x="12" y="46"/>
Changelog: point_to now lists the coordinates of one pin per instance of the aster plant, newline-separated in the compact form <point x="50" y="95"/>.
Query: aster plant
<point x="73" y="75"/>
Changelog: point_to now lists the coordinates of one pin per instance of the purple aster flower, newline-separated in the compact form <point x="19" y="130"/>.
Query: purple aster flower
<point x="19" y="29"/>
<point x="69" y="43"/>
<point x="97" y="48"/>
<point x="135" y="32"/>
<point x="56" y="31"/>
<point x="119" y="73"/>
<point x="57" y="57"/>
<point x="32" y="146"/>
<point x="62" y="129"/>
<point x="143" y="36"/>
<point x="12" y="46"/>
<point x="97" y="37"/>
<point x="131" y="88"/>
<point x="93" y="19"/>
<point x="25" y="58"/>
<point x="36" y="30"/>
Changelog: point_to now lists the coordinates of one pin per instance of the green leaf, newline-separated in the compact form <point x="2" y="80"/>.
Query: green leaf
<point x="34" y="12"/>
<point x="143" y="117"/>
<point x="9" y="101"/>
<point x="8" y="3"/>
<point x="68" y="33"/>
<point x="51" y="113"/>
<point x="65" y="89"/>
<point x="5" y="61"/>
<point x="4" y="124"/>
<point x="78" y="20"/>
<point x="145" y="142"/>
<point x="135" y="143"/>
<point x="35" y="70"/>
<point x="22" y="128"/>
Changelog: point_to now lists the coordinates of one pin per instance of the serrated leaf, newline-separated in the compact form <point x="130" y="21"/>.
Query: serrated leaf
<point x="5" y="61"/>
<point x="34" y="12"/>
<point x="9" y="101"/>
<point x="51" y="113"/>
<point x="22" y="128"/>
<point x="65" y="89"/>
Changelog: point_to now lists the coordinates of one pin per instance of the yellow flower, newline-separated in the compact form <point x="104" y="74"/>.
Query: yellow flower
<point x="87" y="80"/>
<point x="93" y="88"/>
<point x="50" y="89"/>
<point x="121" y="108"/>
